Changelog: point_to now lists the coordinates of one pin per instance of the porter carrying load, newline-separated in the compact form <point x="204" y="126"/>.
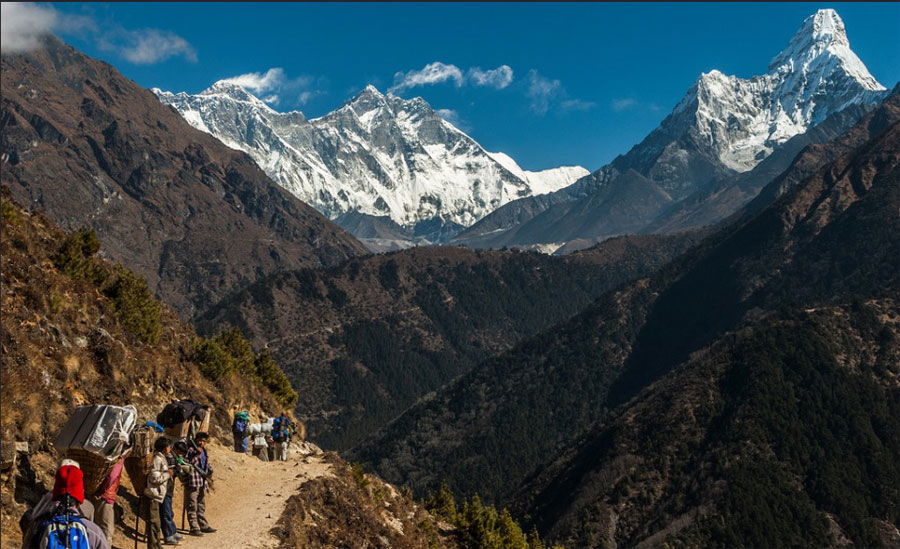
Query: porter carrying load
<point x="96" y="437"/>
<point x="184" y="419"/>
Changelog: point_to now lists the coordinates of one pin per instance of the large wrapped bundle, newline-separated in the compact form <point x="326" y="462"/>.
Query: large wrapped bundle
<point x="96" y="437"/>
<point x="263" y="428"/>
<point x="100" y="429"/>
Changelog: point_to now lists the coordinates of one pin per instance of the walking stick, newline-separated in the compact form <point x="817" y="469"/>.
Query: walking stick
<point x="137" y="519"/>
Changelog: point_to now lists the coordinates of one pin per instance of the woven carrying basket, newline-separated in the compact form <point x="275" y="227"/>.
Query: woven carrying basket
<point x="138" y="467"/>
<point x="94" y="468"/>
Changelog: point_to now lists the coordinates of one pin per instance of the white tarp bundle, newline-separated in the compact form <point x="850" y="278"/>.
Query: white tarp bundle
<point x="100" y="429"/>
<point x="264" y="428"/>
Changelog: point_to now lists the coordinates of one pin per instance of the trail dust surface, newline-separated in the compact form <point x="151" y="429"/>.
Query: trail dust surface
<point x="247" y="498"/>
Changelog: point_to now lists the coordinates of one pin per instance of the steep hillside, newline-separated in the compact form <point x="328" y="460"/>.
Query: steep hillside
<point x="364" y="340"/>
<point x="195" y="218"/>
<point x="829" y="241"/>
<point x="79" y="330"/>
<point x="782" y="432"/>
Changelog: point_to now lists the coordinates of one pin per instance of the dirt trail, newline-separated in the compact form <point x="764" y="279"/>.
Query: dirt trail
<point x="248" y="497"/>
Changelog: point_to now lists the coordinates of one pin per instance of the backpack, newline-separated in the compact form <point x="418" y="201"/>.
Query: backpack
<point x="63" y="531"/>
<point x="281" y="431"/>
<point x="241" y="427"/>
<point x="180" y="411"/>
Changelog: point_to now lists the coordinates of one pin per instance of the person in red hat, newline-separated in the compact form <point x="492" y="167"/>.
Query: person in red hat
<point x="68" y="488"/>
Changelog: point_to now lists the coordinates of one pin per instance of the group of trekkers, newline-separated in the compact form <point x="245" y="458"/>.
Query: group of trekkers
<point x="65" y="517"/>
<point x="270" y="439"/>
<point x="156" y="456"/>
<point x="189" y="462"/>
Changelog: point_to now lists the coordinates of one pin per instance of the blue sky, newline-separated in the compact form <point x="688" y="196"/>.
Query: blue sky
<point x="588" y="81"/>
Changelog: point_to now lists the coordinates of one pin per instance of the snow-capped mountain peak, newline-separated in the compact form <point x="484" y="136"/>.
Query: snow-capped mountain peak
<point x="377" y="154"/>
<point x="820" y="48"/>
<point x="742" y="120"/>
<point x="235" y="92"/>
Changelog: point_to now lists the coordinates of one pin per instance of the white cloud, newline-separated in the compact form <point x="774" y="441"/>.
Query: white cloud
<point x="23" y="25"/>
<point x="432" y="73"/>
<point x="259" y="82"/>
<point x="542" y="91"/>
<point x="497" y="78"/>
<point x="149" y="46"/>
<point x="274" y="86"/>
<point x="626" y="103"/>
<point x="439" y="73"/>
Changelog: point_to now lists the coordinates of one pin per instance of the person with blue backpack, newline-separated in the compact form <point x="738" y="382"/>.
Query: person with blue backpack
<point x="58" y="520"/>
<point x="281" y="434"/>
<point x="241" y="431"/>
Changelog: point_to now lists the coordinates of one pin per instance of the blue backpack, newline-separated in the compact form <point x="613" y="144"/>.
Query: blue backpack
<point x="279" y="429"/>
<point x="64" y="531"/>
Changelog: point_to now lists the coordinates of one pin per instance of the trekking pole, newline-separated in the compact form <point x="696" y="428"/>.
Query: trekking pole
<point x="137" y="519"/>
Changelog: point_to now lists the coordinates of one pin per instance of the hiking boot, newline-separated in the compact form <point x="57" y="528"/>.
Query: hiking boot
<point x="196" y="533"/>
<point x="170" y="541"/>
<point x="178" y="537"/>
<point x="208" y="530"/>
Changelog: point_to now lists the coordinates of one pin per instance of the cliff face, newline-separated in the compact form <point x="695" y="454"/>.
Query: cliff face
<point x="195" y="218"/>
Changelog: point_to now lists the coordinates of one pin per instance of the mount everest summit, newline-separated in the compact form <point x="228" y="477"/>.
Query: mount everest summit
<point x="393" y="160"/>
<point x="722" y="131"/>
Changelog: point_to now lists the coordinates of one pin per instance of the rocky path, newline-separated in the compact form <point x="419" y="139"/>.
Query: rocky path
<point x="248" y="497"/>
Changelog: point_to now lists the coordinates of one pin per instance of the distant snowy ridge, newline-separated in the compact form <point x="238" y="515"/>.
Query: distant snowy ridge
<point x="378" y="154"/>
<point x="544" y="181"/>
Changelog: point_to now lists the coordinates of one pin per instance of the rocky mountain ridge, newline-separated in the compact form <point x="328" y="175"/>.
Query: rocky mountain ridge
<point x="378" y="155"/>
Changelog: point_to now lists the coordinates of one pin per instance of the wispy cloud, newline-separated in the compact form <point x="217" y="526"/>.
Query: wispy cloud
<point x="453" y="117"/>
<point x="273" y="86"/>
<point x="149" y="46"/>
<point x="626" y="103"/>
<point x="497" y="78"/>
<point x="440" y="73"/>
<point x="542" y="91"/>
<point x="546" y="94"/>
<point x="23" y="25"/>
<point x="630" y="103"/>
